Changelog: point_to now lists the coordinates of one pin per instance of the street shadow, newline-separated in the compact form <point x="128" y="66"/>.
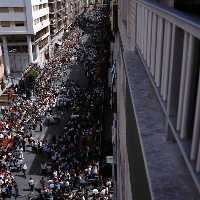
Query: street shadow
<point x="20" y="175"/>
<point x="77" y="75"/>
<point x="52" y="131"/>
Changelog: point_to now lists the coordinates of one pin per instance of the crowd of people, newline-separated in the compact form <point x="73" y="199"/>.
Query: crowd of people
<point x="71" y="169"/>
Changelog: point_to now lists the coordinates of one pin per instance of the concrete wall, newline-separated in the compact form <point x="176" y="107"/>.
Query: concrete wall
<point x="18" y="61"/>
<point x="126" y="23"/>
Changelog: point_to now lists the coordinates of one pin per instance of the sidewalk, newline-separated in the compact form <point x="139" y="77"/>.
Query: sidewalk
<point x="33" y="162"/>
<point x="15" y="77"/>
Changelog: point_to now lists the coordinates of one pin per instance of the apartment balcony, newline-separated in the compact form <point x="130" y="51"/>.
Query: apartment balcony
<point x="162" y="101"/>
<point x="38" y="2"/>
<point x="41" y="25"/>
<point x="40" y="13"/>
<point x="42" y="38"/>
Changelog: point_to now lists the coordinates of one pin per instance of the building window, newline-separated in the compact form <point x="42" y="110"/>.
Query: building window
<point x="45" y="5"/>
<point x="35" y="8"/>
<point x="43" y="42"/>
<point x="5" y="24"/>
<point x="19" y="49"/>
<point x="36" y="21"/>
<point x="4" y="10"/>
<point x="20" y="23"/>
<point x="18" y="9"/>
<point x="43" y="18"/>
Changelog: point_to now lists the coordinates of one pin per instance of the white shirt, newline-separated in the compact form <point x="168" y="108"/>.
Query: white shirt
<point x="31" y="182"/>
<point x="67" y="183"/>
<point x="24" y="167"/>
<point x="95" y="191"/>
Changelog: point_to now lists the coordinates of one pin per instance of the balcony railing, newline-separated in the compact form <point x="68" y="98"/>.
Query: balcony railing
<point x="169" y="44"/>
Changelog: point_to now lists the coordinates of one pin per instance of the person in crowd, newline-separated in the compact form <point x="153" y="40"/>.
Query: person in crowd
<point x="24" y="169"/>
<point x="31" y="184"/>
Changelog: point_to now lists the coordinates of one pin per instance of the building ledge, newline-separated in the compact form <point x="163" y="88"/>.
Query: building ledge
<point x="168" y="174"/>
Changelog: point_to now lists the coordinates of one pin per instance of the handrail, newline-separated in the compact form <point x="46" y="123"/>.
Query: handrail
<point x="187" y="23"/>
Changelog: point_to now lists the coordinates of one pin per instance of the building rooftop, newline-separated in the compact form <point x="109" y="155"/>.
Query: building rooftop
<point x="168" y="173"/>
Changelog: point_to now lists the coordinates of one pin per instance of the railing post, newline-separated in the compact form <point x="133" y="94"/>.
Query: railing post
<point x="137" y="26"/>
<point x="142" y="30"/>
<point x="170" y="135"/>
<point x="145" y="34"/>
<point x="182" y="83"/>
<point x="153" y="44"/>
<point x="149" y="38"/>
<point x="166" y="59"/>
<point x="187" y="89"/>
<point x="140" y="27"/>
<point x="159" y="51"/>
<point x="196" y="132"/>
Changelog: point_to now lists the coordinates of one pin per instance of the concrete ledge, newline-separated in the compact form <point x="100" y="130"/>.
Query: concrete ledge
<point x="168" y="174"/>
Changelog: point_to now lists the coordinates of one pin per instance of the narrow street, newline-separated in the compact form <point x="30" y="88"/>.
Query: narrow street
<point x="34" y="160"/>
<point x="70" y="89"/>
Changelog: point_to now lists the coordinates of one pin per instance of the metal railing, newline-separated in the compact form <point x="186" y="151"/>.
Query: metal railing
<point x="169" y="44"/>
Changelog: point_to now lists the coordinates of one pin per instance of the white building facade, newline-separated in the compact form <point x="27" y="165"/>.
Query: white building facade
<point x="24" y="33"/>
<point x="62" y="14"/>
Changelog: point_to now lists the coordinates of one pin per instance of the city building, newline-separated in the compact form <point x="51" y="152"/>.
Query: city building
<point x="62" y="14"/>
<point x="73" y="8"/>
<point x="24" y="33"/>
<point x="156" y="99"/>
<point x="57" y="14"/>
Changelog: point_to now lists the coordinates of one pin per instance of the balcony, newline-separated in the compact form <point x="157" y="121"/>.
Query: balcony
<point x="41" y="38"/>
<point x="41" y="25"/>
<point x="169" y="44"/>
<point x="40" y="13"/>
